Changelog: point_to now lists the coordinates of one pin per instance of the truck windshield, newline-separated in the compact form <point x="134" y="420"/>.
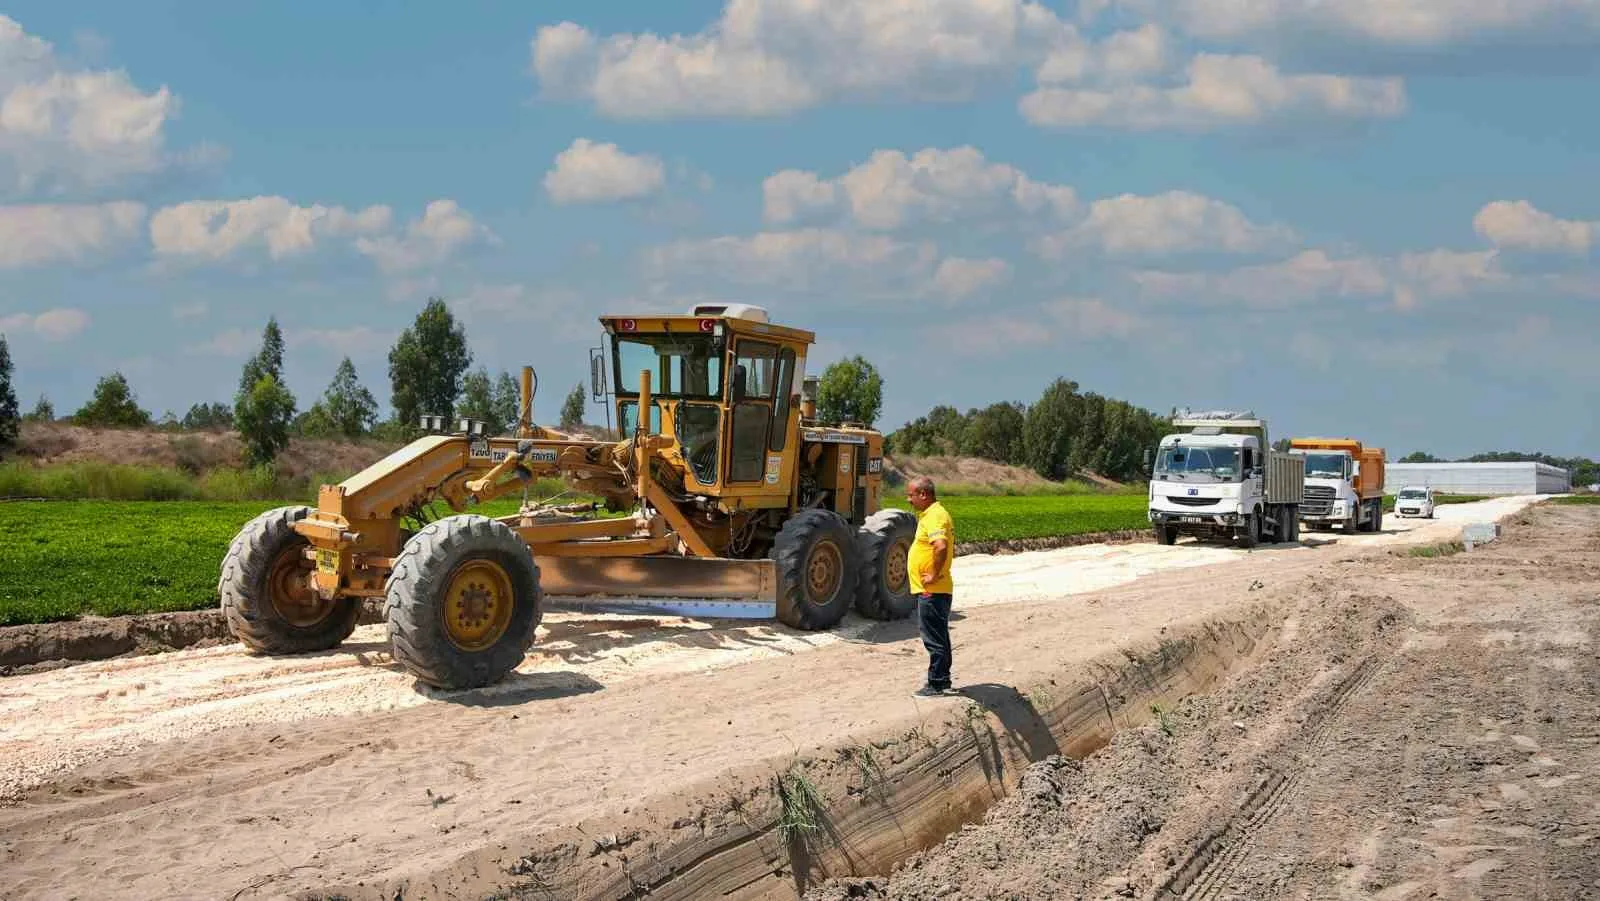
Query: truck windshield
<point x="686" y="366"/>
<point x="1210" y="464"/>
<point x="1327" y="466"/>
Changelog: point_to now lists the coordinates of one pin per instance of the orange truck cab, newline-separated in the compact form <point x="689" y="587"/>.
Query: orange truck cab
<point x="1344" y="483"/>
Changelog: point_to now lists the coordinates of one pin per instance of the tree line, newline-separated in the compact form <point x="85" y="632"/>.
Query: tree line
<point x="1064" y="432"/>
<point x="430" y="371"/>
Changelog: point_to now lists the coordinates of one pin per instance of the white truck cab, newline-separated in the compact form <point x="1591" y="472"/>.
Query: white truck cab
<point x="1218" y="477"/>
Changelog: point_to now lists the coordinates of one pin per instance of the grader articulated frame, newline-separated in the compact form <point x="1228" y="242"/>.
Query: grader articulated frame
<point x="736" y="501"/>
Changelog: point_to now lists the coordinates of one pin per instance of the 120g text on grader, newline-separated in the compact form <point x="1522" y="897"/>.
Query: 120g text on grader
<point x="735" y="495"/>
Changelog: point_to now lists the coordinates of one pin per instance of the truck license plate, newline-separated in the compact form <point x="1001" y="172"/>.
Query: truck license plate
<point x="1192" y="519"/>
<point x="327" y="561"/>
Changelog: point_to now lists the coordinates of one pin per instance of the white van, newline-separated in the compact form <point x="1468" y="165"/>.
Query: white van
<point x="1414" y="501"/>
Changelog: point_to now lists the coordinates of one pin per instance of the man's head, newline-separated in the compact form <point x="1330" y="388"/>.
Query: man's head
<point x="921" y="493"/>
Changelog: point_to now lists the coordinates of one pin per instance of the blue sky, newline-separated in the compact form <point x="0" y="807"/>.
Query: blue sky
<point x="1367" y="218"/>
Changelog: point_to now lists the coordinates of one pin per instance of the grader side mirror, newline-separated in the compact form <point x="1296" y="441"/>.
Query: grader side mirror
<point x="597" y="374"/>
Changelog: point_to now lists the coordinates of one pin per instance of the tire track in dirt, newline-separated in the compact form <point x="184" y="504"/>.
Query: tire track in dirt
<point x="1208" y="871"/>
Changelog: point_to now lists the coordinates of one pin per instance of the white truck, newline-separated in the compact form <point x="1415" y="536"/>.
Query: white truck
<point x="1217" y="476"/>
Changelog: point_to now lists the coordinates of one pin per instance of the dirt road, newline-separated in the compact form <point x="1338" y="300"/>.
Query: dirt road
<point x="1428" y="732"/>
<point x="209" y="773"/>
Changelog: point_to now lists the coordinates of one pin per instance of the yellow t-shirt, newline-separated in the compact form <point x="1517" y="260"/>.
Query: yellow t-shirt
<point x="932" y="523"/>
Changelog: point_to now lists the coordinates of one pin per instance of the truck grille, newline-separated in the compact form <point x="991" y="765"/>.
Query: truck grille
<point x="1193" y="501"/>
<point x="1318" y="500"/>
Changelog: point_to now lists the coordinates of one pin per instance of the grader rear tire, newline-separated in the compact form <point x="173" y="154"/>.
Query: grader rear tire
<point x="463" y="602"/>
<point x="883" y="587"/>
<point x="817" y="568"/>
<point x="267" y="602"/>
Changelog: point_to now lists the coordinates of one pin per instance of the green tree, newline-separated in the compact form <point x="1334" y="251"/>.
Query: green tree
<point x="349" y="406"/>
<point x="112" y="406"/>
<point x="263" y="410"/>
<point x="43" y="411"/>
<point x="573" y="407"/>
<point x="426" y="365"/>
<point x="268" y="361"/>
<point x="1051" y="425"/>
<point x="1420" y="457"/>
<point x="506" y="395"/>
<point x="208" y="416"/>
<point x="995" y="432"/>
<point x="850" y="391"/>
<point x="263" y="416"/>
<point x="477" y="396"/>
<point x="10" y="422"/>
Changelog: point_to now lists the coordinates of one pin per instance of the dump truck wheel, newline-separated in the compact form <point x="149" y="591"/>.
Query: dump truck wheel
<point x="267" y="600"/>
<point x="1250" y="532"/>
<point x="817" y="567"/>
<point x="1167" y="535"/>
<point x="883" y="588"/>
<point x="463" y="602"/>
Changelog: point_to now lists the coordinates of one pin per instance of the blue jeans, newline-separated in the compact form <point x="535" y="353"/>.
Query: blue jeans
<point x="933" y="615"/>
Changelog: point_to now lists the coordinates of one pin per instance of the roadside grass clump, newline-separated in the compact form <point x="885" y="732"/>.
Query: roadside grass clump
<point x="802" y="806"/>
<point x="1440" y="500"/>
<point x="1163" y="719"/>
<point x="1445" y="549"/>
<point x="1576" y="500"/>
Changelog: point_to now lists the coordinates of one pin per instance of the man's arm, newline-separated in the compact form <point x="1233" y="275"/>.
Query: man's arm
<point x="939" y="540"/>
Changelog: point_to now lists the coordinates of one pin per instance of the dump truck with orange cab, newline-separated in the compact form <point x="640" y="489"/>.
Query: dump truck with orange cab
<point x="1344" y="483"/>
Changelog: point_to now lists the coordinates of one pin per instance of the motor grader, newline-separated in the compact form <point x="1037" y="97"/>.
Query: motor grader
<point x="724" y="496"/>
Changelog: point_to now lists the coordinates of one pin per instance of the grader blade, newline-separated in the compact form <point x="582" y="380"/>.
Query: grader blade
<point x="686" y="586"/>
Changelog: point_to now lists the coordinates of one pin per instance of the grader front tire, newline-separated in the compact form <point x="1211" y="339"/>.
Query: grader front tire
<point x="266" y="599"/>
<point x="463" y="602"/>
<point x="883" y="589"/>
<point x="818" y="563"/>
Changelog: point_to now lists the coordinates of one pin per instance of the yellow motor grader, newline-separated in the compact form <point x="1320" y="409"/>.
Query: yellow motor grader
<point x="725" y="497"/>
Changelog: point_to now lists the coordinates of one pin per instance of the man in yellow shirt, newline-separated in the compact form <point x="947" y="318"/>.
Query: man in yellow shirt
<point x="928" y="568"/>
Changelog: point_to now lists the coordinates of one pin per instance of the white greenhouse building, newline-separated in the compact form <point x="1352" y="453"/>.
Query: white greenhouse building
<point x="1478" y="478"/>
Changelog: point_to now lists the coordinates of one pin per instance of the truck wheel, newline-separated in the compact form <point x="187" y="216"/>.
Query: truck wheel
<point x="883" y="587"/>
<point x="818" y="566"/>
<point x="1250" y="532"/>
<point x="266" y="599"/>
<point x="463" y="602"/>
<point x="1377" y="515"/>
<point x="1167" y="535"/>
<point x="1294" y="524"/>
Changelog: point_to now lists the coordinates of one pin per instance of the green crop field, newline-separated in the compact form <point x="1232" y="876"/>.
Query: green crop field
<point x="999" y="518"/>
<point x="62" y="559"/>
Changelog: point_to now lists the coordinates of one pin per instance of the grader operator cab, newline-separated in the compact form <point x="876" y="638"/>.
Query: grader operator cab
<point x="735" y="501"/>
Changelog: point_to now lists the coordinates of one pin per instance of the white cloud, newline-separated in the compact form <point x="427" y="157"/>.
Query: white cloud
<point x="443" y="229"/>
<point x="798" y="260"/>
<point x="891" y="190"/>
<point x="193" y="310"/>
<point x="587" y="172"/>
<point x="51" y="325"/>
<point x="958" y="278"/>
<point x="1173" y="222"/>
<point x="793" y="193"/>
<point x="33" y="235"/>
<point x="357" y="342"/>
<point x="234" y="342"/>
<point x="1124" y="56"/>
<point x="1217" y="90"/>
<point x="1406" y="23"/>
<point x="217" y="229"/>
<point x="1066" y="319"/>
<point x="768" y="57"/>
<point x="1304" y="277"/>
<point x="1519" y="225"/>
<point x="1444" y="274"/>
<point x="61" y="128"/>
